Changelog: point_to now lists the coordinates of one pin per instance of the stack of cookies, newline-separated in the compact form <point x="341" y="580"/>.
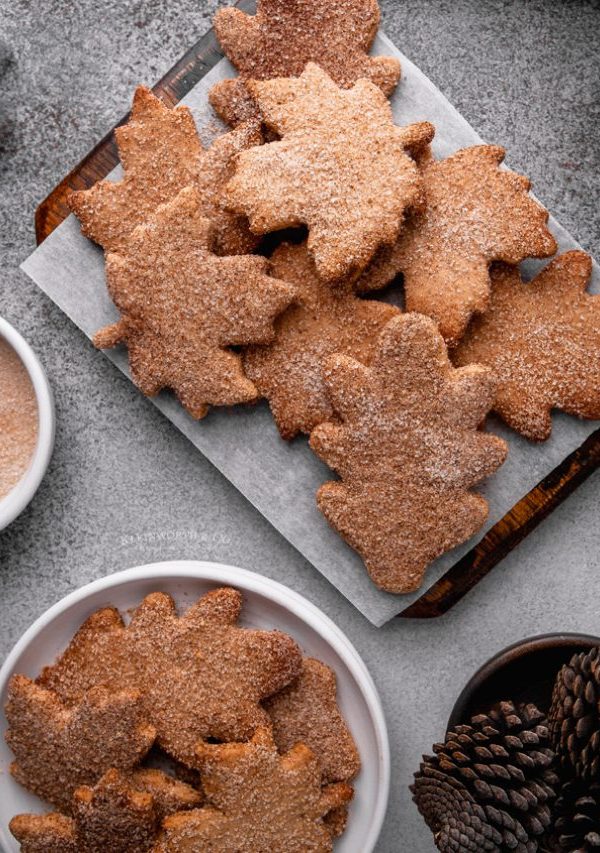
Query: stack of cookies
<point x="393" y="401"/>
<point x="181" y="734"/>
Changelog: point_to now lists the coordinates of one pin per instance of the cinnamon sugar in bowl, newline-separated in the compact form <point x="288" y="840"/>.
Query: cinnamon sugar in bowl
<point x="26" y="423"/>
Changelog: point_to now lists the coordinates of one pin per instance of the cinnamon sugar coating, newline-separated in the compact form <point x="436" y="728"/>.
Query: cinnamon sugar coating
<point x="259" y="800"/>
<point x="162" y="154"/>
<point x="307" y="712"/>
<point x="474" y="213"/>
<point x="542" y="340"/>
<point x="201" y="675"/>
<point x="408" y="451"/>
<point x="115" y="816"/>
<point x="341" y="168"/>
<point x="183" y="308"/>
<point x="283" y="36"/>
<point x="58" y="748"/>
<point x="322" y="321"/>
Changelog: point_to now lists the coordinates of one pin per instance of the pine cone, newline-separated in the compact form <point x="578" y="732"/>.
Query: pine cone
<point x="577" y="817"/>
<point x="457" y="822"/>
<point x="503" y="761"/>
<point x="574" y="719"/>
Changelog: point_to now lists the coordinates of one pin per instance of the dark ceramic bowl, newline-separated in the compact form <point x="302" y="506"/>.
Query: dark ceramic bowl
<point x="524" y="672"/>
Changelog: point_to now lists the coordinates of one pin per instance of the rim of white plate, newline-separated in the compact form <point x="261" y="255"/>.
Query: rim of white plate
<point x="13" y="504"/>
<point x="279" y="594"/>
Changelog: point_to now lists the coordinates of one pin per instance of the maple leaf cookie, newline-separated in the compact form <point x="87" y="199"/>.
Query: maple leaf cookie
<point x="474" y="213"/>
<point x="542" y="340"/>
<point x="58" y="748"/>
<point x="307" y="712"/>
<point x="259" y="801"/>
<point x="161" y="154"/>
<point x="408" y="451"/>
<point x="341" y="168"/>
<point x="283" y="37"/>
<point x="115" y="816"/>
<point x="183" y="308"/>
<point x="201" y="675"/>
<point x="323" y="320"/>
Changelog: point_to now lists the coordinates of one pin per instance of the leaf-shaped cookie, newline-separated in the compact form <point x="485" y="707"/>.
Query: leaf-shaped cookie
<point x="260" y="801"/>
<point x="475" y="213"/>
<point x="201" y="675"/>
<point x="307" y="712"/>
<point x="116" y="816"/>
<point x="183" y="308"/>
<point x="322" y="321"/>
<point x="542" y="340"/>
<point x="408" y="452"/>
<point x="169" y="795"/>
<point x="341" y="168"/>
<point x="284" y="36"/>
<point x="58" y="748"/>
<point x="161" y="154"/>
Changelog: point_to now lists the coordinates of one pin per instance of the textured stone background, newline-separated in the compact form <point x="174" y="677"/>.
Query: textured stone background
<point x="123" y="483"/>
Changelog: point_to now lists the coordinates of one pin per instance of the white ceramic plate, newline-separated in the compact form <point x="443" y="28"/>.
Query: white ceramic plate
<point x="17" y="499"/>
<point x="267" y="604"/>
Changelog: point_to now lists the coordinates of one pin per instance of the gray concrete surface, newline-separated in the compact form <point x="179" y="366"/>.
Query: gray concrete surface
<point x="124" y="488"/>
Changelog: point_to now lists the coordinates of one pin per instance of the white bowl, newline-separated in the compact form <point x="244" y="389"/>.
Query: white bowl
<point x="267" y="604"/>
<point x="12" y="504"/>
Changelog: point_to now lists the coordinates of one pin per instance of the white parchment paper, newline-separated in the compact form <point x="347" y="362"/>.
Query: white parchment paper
<point x="281" y="478"/>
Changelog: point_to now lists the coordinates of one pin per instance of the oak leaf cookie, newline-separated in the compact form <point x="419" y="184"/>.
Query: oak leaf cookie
<point x="183" y="308"/>
<point x="201" y="675"/>
<point x="58" y="748"/>
<point x="259" y="801"/>
<point x="408" y="452"/>
<point x="283" y="37"/>
<point x="161" y="154"/>
<point x="475" y="213"/>
<point x="307" y="712"/>
<point x="116" y="815"/>
<point x="341" y="168"/>
<point x="322" y="321"/>
<point x="542" y="340"/>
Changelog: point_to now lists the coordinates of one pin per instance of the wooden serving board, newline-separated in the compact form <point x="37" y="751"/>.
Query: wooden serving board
<point x="513" y="527"/>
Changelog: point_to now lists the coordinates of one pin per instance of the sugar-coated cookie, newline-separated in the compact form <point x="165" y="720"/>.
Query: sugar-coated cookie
<point x="323" y="320"/>
<point x="307" y="712"/>
<point x="201" y="675"/>
<point x="183" y="308"/>
<point x="58" y="748"/>
<point x="408" y="451"/>
<point x="259" y="801"/>
<point x="342" y="167"/>
<point x="284" y="36"/>
<point x="542" y="340"/>
<point x="161" y="154"/>
<point x="474" y="213"/>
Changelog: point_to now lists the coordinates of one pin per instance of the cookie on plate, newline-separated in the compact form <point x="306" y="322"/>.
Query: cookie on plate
<point x="259" y="800"/>
<point x="58" y="748"/>
<point x="201" y="675"/>
<point x="115" y="816"/>
<point x="307" y="712"/>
